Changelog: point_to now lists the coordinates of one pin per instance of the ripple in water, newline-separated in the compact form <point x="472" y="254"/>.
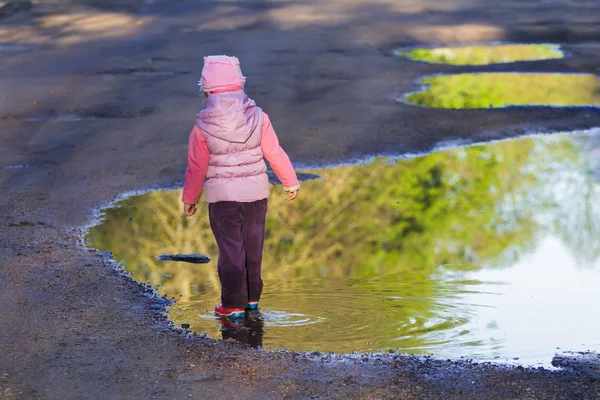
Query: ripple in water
<point x="488" y="252"/>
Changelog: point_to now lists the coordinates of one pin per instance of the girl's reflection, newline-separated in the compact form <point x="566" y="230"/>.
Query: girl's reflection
<point x="249" y="331"/>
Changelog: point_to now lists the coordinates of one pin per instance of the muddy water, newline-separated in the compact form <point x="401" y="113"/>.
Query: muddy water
<point x="484" y="54"/>
<point x="495" y="90"/>
<point x="490" y="252"/>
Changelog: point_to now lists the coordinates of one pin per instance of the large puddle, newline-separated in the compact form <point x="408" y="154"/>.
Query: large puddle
<point x="484" y="54"/>
<point x="494" y="90"/>
<point x="488" y="252"/>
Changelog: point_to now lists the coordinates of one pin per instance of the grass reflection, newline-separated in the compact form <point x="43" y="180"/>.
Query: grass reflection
<point x="483" y="55"/>
<point x="492" y="90"/>
<point x="357" y="263"/>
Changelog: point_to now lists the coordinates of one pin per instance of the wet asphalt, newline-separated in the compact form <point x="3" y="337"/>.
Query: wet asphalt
<point x="97" y="99"/>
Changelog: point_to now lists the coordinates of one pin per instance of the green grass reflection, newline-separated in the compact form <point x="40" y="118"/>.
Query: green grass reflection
<point x="492" y="90"/>
<point x="484" y="54"/>
<point x="357" y="262"/>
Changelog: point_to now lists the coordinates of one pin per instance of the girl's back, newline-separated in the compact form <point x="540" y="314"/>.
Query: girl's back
<point x="227" y="147"/>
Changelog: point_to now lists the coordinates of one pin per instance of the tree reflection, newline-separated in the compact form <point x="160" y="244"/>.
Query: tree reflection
<point x="384" y="228"/>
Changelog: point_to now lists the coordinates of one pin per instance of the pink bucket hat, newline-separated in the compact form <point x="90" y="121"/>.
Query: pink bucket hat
<point x="221" y="73"/>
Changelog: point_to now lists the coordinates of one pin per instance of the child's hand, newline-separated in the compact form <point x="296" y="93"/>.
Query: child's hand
<point x="292" y="195"/>
<point x="189" y="209"/>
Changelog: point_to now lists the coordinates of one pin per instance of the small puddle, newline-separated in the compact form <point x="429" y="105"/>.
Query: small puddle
<point x="58" y="118"/>
<point x="484" y="54"/>
<point x="14" y="48"/>
<point x="141" y="71"/>
<point x="489" y="252"/>
<point x="98" y="111"/>
<point x="24" y="166"/>
<point x="497" y="90"/>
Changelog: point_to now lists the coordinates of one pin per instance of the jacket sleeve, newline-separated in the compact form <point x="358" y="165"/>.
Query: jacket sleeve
<point x="195" y="174"/>
<point x="277" y="157"/>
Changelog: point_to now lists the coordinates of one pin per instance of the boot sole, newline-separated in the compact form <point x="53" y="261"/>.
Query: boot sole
<point x="236" y="314"/>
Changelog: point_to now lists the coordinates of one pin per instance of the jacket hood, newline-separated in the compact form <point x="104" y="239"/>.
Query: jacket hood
<point x="229" y="116"/>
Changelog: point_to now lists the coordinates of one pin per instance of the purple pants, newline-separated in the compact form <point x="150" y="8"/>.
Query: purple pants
<point x="239" y="229"/>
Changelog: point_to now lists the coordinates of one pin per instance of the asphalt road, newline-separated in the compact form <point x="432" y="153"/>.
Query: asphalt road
<point x="97" y="98"/>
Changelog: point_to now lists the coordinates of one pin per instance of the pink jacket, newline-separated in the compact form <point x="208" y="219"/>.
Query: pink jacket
<point x="227" y="146"/>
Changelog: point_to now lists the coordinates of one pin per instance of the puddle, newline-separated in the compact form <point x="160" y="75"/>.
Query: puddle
<point x="484" y="54"/>
<point x="14" y="48"/>
<point x="97" y="111"/>
<point x="58" y="118"/>
<point x="489" y="252"/>
<point x="145" y="71"/>
<point x="497" y="90"/>
<point x="24" y="166"/>
<point x="16" y="166"/>
<point x="114" y="111"/>
<point x="26" y="223"/>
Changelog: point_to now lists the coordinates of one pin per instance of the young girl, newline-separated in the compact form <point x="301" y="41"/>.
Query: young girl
<point x="227" y="146"/>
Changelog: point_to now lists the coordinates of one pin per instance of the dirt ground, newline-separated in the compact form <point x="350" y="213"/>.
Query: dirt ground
<point x="72" y="328"/>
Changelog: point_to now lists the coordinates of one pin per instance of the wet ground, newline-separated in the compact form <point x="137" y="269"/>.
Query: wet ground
<point x="97" y="99"/>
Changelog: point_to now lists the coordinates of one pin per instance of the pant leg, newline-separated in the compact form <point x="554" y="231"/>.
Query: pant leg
<point x="254" y="237"/>
<point x="226" y="222"/>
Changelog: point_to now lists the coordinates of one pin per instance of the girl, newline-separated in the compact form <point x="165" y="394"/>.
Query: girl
<point x="227" y="146"/>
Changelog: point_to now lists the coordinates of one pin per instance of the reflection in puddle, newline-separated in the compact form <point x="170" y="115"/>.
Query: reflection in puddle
<point x="492" y="90"/>
<point x="485" y="252"/>
<point x="190" y="258"/>
<point x="483" y="55"/>
<point x="250" y="331"/>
